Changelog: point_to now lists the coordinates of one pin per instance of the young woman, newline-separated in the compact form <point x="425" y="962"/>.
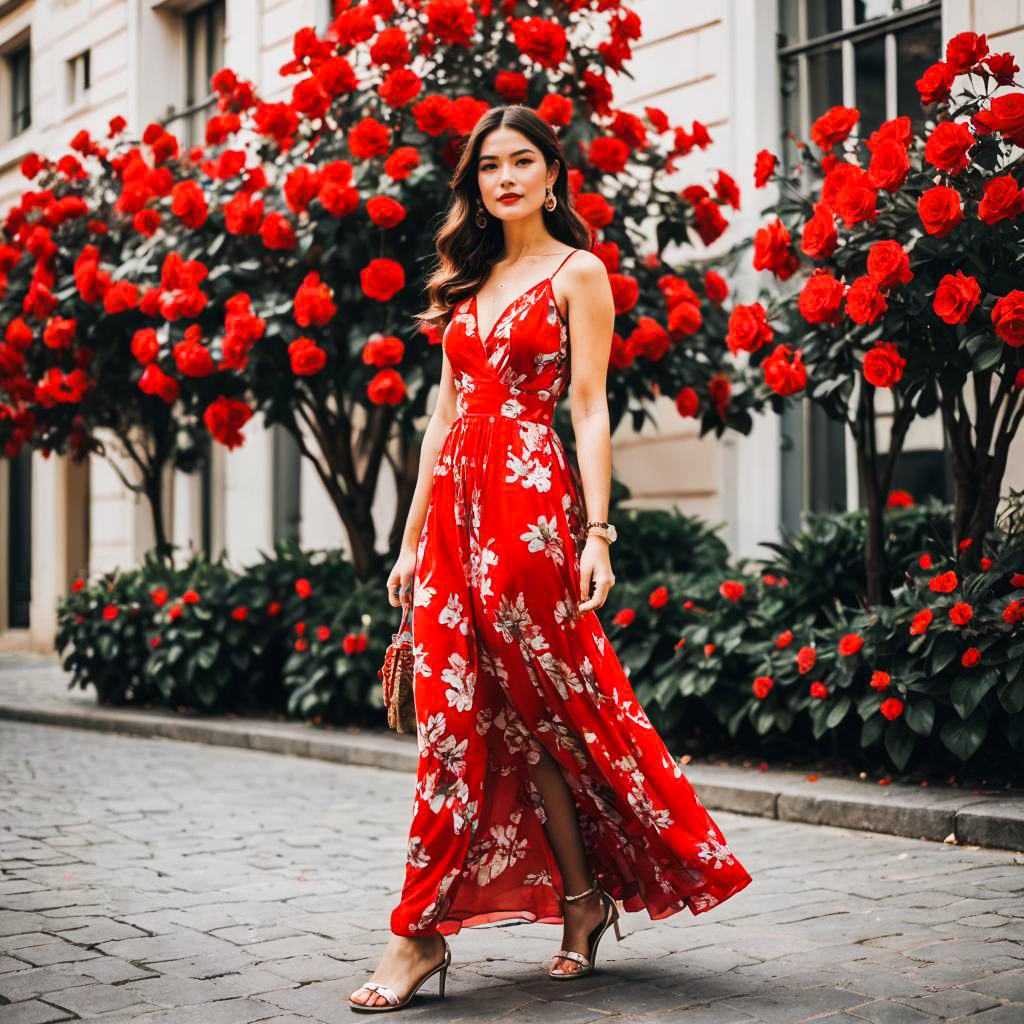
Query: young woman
<point x="543" y="793"/>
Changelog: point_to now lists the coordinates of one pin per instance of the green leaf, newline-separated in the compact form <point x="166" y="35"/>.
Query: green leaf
<point x="1011" y="695"/>
<point x="871" y="731"/>
<point x="920" y="716"/>
<point x="967" y="692"/>
<point x="899" y="743"/>
<point x="964" y="738"/>
<point x="838" y="711"/>
<point x="943" y="652"/>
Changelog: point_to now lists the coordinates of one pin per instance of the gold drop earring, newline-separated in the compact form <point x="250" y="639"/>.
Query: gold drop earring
<point x="550" y="202"/>
<point x="481" y="217"/>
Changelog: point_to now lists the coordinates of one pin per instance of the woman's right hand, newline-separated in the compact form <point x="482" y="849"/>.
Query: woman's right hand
<point x="402" y="577"/>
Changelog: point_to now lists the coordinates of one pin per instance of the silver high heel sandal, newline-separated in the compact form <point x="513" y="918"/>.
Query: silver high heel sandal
<point x="393" y="1002"/>
<point x="611" y="918"/>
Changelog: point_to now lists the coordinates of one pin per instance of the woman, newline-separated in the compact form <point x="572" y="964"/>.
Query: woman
<point x="543" y="793"/>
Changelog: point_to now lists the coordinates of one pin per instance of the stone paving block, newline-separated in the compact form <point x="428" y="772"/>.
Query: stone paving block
<point x="998" y="1015"/>
<point x="32" y="1012"/>
<point x="245" y="900"/>
<point x="97" y="999"/>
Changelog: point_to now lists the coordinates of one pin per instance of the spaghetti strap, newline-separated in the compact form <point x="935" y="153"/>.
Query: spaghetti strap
<point x="562" y="264"/>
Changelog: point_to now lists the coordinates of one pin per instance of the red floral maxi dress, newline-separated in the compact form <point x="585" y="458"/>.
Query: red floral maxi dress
<point x="505" y="664"/>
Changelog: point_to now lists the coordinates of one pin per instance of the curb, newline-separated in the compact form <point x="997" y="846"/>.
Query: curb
<point x="988" y="819"/>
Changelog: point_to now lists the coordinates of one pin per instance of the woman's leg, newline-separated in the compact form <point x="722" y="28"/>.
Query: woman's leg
<point x="563" y="831"/>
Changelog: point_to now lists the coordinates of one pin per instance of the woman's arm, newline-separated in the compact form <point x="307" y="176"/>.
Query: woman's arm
<point x="440" y="420"/>
<point x="591" y="323"/>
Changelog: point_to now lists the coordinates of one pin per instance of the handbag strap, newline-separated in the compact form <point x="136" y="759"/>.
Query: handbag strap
<point x="405" y="615"/>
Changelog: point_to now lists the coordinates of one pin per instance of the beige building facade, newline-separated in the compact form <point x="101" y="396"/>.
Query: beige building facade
<point x="748" y="69"/>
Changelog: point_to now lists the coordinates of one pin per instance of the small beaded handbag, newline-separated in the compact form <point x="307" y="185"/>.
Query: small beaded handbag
<point x="396" y="678"/>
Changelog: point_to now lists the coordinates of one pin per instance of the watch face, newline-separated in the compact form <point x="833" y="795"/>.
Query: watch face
<point x="612" y="534"/>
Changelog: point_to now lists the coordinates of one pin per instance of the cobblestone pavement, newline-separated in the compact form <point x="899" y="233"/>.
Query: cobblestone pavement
<point x="167" y="882"/>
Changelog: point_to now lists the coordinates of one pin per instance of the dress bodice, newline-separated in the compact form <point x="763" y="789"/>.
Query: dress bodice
<point x="521" y="369"/>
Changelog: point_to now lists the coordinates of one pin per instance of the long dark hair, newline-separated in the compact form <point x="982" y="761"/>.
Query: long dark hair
<point x="465" y="250"/>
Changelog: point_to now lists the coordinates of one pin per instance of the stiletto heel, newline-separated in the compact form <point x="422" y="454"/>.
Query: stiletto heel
<point x="611" y="918"/>
<point x="393" y="1002"/>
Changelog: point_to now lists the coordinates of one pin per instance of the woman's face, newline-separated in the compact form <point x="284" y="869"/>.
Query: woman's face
<point x="510" y="163"/>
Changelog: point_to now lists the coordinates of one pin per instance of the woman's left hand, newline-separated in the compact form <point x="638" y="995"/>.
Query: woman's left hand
<point x="596" y="568"/>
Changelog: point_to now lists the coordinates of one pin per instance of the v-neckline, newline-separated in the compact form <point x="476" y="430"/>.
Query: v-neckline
<point x="501" y="315"/>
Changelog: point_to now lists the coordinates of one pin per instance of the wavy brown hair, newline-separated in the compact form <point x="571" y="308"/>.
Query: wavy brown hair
<point x="464" y="250"/>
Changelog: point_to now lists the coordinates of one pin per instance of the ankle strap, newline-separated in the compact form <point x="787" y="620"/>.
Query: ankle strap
<point x="579" y="896"/>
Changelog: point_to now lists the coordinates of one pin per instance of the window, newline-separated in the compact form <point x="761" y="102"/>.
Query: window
<point x="204" y="56"/>
<point x="19" y="76"/>
<point x="866" y="54"/>
<point x="78" y="78"/>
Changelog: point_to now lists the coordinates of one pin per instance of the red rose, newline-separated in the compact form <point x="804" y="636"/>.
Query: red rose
<point x="1002" y="67"/>
<point x="948" y="145"/>
<point x="855" y="203"/>
<point x="686" y="402"/>
<point x="277" y="232"/>
<point x="748" y="329"/>
<point x="940" y="210"/>
<point x="707" y="219"/>
<point x="369" y="138"/>
<point x="1005" y="115"/>
<point x="658" y="597"/>
<point x="731" y="590"/>
<point x="684" y="318"/>
<point x="944" y="583"/>
<point x="965" y="51"/>
<point x="762" y="686"/>
<point x="805" y="659"/>
<point x="401" y="163"/>
<point x="224" y="418"/>
<point x="892" y="708"/>
<point x="624" y="617"/>
<point x="433" y="114"/>
<point x="888" y="264"/>
<point x="851" y="643"/>
<point x="386" y="388"/>
<point x="1001" y="201"/>
<point x="898" y="130"/>
<point x="313" y="304"/>
<point x="594" y="209"/>
<point x="727" y="190"/>
<point x="303" y="587"/>
<point x="819" y="238"/>
<point x="193" y="359"/>
<point x="921" y="621"/>
<point x="243" y="215"/>
<point x="1017" y="580"/>
<point x="190" y="597"/>
<point x="925" y="561"/>
<point x="935" y="84"/>
<point x="625" y="292"/>
<point x="715" y="287"/>
<point x="709" y="649"/>
<point x="818" y="689"/>
<point x="608" y="154"/>
<point x="145" y="346"/>
<point x="543" y="41"/>
<point x="784" y="371"/>
<point x="961" y="613"/>
<point x="719" y="391"/>
<point x="889" y="165"/>
<point x="971" y="657"/>
<point x="383" y="350"/>
<point x="879" y="680"/>
<point x="382" y="279"/>
<point x="384" y="211"/>
<point x="306" y="357"/>
<point x="1008" y="317"/>
<point x="1013" y="613"/>
<point x="821" y="298"/>
<point x="764" y="168"/>
<point x="784" y="639"/>
<point x="59" y="333"/>
<point x="883" y="365"/>
<point x="956" y="298"/>
<point x="899" y="499"/>
<point x="188" y="204"/>
<point x="111" y="612"/>
<point x="864" y="302"/>
<point x="511" y="86"/>
<point x="556" y="110"/>
<point x="833" y="126"/>
<point x="155" y="382"/>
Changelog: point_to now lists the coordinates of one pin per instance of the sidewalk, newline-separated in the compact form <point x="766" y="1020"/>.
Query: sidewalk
<point x="33" y="688"/>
